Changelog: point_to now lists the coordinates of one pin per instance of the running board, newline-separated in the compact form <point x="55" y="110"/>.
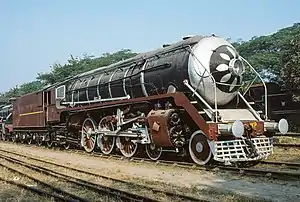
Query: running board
<point x="231" y="115"/>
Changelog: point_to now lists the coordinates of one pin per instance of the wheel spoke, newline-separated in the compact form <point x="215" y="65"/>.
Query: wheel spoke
<point x="39" y="140"/>
<point x="127" y="147"/>
<point x="199" y="148"/>
<point x="153" y="152"/>
<point x="91" y="142"/>
<point x="87" y="136"/>
<point x="66" y="145"/>
<point x="50" y="138"/>
<point x="106" y="143"/>
<point x="29" y="138"/>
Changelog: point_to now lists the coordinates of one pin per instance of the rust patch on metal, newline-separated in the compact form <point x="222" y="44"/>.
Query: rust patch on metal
<point x="213" y="131"/>
<point x="254" y="128"/>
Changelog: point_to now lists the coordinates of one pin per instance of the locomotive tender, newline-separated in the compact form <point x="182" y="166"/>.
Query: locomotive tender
<point x="184" y="97"/>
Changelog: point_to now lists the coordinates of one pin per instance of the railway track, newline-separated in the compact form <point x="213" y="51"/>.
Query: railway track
<point x="287" y="145"/>
<point x="289" y="134"/>
<point x="40" y="192"/>
<point x="262" y="172"/>
<point x="277" y="163"/>
<point x="256" y="172"/>
<point x="56" y="193"/>
<point x="130" y="196"/>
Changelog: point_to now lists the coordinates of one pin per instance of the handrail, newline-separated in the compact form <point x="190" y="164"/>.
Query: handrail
<point x="249" y="85"/>
<point x="186" y="83"/>
<point x="249" y="106"/>
<point x="265" y="87"/>
<point x="242" y="96"/>
<point x="214" y="81"/>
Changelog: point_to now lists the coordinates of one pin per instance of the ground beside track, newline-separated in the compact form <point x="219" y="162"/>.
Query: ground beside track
<point x="10" y="192"/>
<point x="287" y="139"/>
<point x="217" y="186"/>
<point x="290" y="154"/>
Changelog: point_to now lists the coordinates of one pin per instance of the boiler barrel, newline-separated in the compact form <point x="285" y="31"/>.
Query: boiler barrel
<point x="148" y="77"/>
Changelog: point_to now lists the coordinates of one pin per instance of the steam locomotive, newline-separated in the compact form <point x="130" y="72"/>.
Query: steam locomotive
<point x="184" y="97"/>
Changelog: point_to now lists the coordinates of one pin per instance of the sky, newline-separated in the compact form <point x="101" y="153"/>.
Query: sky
<point x="35" y="34"/>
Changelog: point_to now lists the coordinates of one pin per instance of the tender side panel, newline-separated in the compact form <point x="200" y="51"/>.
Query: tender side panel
<point x="28" y="111"/>
<point x="53" y="113"/>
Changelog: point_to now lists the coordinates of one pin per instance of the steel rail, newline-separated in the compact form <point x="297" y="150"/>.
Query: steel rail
<point x="167" y="193"/>
<point x="279" y="163"/>
<point x="283" y="175"/>
<point x="35" y="190"/>
<point x="247" y="171"/>
<point x="287" y="145"/>
<point x="54" y="189"/>
<point x="123" y="195"/>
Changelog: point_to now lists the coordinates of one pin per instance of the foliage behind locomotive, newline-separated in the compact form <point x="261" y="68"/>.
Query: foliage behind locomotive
<point x="183" y="97"/>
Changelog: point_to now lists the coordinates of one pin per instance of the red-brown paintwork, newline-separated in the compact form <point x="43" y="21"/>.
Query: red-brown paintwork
<point x="28" y="111"/>
<point x="159" y="127"/>
<point x="254" y="128"/>
<point x="34" y="102"/>
<point x="179" y="98"/>
<point x="212" y="131"/>
<point x="53" y="115"/>
<point x="39" y="101"/>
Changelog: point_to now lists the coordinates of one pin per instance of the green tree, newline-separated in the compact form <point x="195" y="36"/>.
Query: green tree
<point x="266" y="53"/>
<point x="23" y="89"/>
<point x="58" y="73"/>
<point x="13" y="92"/>
<point x="30" y="87"/>
<point x="291" y="59"/>
<point x="77" y="65"/>
<point x="275" y="56"/>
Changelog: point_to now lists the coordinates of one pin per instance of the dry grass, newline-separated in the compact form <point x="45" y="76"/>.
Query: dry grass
<point x="10" y="193"/>
<point x="285" y="154"/>
<point x="198" y="192"/>
<point x="109" y="183"/>
<point x="289" y="140"/>
<point x="22" y="195"/>
<point x="183" y="181"/>
<point x="212" y="194"/>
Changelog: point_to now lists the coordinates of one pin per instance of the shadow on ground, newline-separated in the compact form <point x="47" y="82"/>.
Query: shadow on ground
<point x="12" y="193"/>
